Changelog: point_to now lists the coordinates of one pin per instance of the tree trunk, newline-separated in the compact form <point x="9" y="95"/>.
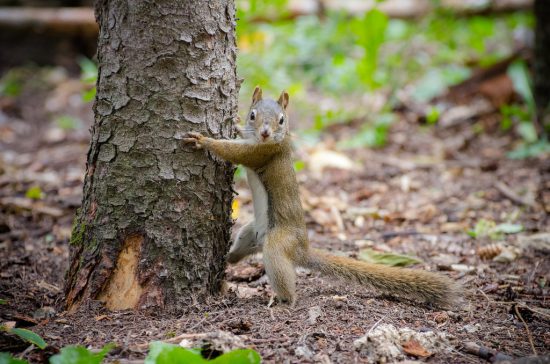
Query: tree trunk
<point x="154" y="226"/>
<point x="542" y="64"/>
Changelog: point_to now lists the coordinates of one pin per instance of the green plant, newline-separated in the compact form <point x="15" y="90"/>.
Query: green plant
<point x="34" y="193"/>
<point x="67" y="122"/>
<point x="370" y="31"/>
<point x="26" y="335"/>
<point x="523" y="116"/>
<point x="163" y="353"/>
<point x="7" y="358"/>
<point x="371" y="134"/>
<point x="11" y="84"/>
<point x="80" y="355"/>
<point x="488" y="228"/>
<point x="88" y="75"/>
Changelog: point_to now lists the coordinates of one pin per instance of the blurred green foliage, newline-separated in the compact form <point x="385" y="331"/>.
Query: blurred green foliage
<point x="341" y="58"/>
<point x="88" y="75"/>
<point x="67" y="122"/>
<point x="80" y="355"/>
<point x="34" y="193"/>
<point x="11" y="83"/>
<point x="164" y="353"/>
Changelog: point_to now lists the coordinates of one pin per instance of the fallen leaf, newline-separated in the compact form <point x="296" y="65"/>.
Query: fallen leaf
<point x="235" y="209"/>
<point x="245" y="273"/>
<point x="463" y="268"/>
<point x="396" y="260"/>
<point x="313" y="314"/>
<point x="508" y="228"/>
<point x="507" y="255"/>
<point x="322" y="159"/>
<point x="414" y="348"/>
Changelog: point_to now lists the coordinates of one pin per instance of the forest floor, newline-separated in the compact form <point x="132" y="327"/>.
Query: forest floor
<point x="417" y="196"/>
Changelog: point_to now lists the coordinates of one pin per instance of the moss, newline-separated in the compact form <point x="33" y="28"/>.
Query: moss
<point x="77" y="233"/>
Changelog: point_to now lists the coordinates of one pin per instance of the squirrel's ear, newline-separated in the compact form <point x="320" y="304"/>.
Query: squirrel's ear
<point x="257" y="96"/>
<point x="283" y="100"/>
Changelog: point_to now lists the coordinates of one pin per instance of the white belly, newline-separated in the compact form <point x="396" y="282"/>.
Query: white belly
<point x="259" y="199"/>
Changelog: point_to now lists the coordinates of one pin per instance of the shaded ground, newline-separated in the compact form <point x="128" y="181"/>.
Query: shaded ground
<point x="416" y="196"/>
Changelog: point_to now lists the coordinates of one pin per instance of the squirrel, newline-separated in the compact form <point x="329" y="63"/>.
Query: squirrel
<point x="279" y="230"/>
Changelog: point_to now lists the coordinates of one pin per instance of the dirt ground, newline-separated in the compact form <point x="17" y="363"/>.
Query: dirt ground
<point x="416" y="196"/>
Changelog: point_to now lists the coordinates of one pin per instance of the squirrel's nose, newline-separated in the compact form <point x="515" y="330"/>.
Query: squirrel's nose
<point x="264" y="133"/>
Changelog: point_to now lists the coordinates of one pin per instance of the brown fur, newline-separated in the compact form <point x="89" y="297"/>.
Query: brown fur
<point x="286" y="244"/>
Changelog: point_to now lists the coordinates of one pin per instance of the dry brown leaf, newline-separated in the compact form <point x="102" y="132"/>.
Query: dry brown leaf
<point x="245" y="273"/>
<point x="414" y="348"/>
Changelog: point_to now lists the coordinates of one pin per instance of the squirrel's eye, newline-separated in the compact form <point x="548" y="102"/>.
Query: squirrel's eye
<point x="281" y="120"/>
<point x="253" y="115"/>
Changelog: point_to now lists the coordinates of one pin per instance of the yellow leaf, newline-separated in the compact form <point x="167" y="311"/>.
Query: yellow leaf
<point x="236" y="207"/>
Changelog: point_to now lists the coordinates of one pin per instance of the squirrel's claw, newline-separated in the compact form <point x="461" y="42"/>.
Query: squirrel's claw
<point x="193" y="138"/>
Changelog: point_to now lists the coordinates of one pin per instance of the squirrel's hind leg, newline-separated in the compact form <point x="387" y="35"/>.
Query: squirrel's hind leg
<point x="279" y="267"/>
<point x="246" y="243"/>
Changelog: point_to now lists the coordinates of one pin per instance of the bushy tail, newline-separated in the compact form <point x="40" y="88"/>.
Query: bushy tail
<point x="417" y="284"/>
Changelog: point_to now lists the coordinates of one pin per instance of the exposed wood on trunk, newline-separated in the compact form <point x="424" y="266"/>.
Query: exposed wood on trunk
<point x="124" y="290"/>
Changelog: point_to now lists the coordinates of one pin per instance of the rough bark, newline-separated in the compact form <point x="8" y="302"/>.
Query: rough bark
<point x="542" y="64"/>
<point x="154" y="226"/>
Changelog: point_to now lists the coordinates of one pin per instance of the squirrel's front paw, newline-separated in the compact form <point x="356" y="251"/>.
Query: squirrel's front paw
<point x="194" y="138"/>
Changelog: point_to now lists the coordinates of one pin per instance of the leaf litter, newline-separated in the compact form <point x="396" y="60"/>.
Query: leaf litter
<point x="414" y="197"/>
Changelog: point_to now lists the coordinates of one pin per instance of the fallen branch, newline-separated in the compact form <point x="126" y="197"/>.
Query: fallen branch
<point x="484" y="352"/>
<point x="65" y="20"/>
<point x="512" y="196"/>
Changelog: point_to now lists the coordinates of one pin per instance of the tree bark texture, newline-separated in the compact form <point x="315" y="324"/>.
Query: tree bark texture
<point x="542" y="64"/>
<point x="154" y="226"/>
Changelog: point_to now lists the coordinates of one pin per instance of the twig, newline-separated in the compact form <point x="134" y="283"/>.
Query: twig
<point x="529" y="335"/>
<point x="482" y="352"/>
<point x="512" y="196"/>
<point x="519" y="304"/>
<point x="376" y="324"/>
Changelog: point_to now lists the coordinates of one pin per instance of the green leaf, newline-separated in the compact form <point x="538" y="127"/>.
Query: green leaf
<point x="508" y="228"/>
<point x="299" y="165"/>
<point x="88" y="70"/>
<point x="89" y="95"/>
<point x="483" y="228"/>
<point x="10" y="85"/>
<point x="396" y="260"/>
<point x="528" y="132"/>
<point x="34" y="193"/>
<point x="371" y="34"/>
<point x="80" y="355"/>
<point x="7" y="358"/>
<point x="541" y="147"/>
<point x="67" y="122"/>
<point x="29" y="336"/>
<point x="239" y="356"/>
<point x="433" y="115"/>
<point x="3" y="301"/>
<point x="163" y="353"/>
<point x="521" y="79"/>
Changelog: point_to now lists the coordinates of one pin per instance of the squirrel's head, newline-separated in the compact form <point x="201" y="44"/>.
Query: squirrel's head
<point x="267" y="119"/>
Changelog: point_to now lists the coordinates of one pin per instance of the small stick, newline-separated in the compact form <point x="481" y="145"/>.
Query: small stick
<point x="512" y="196"/>
<point x="376" y="324"/>
<point x="529" y="335"/>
